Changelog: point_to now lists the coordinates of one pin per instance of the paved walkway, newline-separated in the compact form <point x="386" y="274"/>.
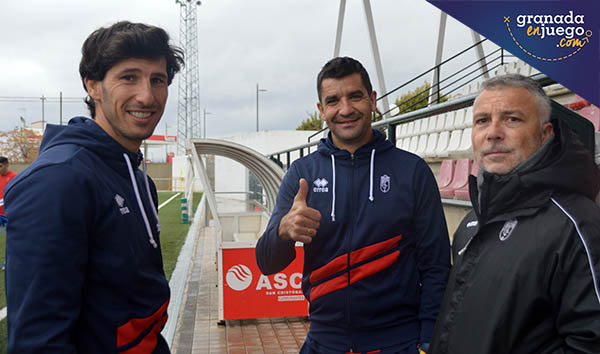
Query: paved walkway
<point x="198" y="331"/>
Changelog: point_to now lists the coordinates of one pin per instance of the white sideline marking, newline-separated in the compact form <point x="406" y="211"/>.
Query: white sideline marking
<point x="2" y="314"/>
<point x="168" y="200"/>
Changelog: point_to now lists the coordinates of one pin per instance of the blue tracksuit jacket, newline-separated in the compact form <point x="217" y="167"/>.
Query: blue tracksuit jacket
<point x="84" y="272"/>
<point x="376" y="271"/>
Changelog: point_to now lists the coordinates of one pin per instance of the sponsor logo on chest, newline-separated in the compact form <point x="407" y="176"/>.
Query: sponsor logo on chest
<point x="320" y="185"/>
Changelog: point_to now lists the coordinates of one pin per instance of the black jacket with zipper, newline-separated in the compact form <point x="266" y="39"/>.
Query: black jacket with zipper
<point x="526" y="275"/>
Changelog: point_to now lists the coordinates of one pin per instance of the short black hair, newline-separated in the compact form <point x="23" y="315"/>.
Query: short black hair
<point x="3" y="160"/>
<point x="340" y="67"/>
<point x="107" y="46"/>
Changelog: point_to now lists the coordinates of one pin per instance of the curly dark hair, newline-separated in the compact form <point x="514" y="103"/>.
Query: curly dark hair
<point x="107" y="46"/>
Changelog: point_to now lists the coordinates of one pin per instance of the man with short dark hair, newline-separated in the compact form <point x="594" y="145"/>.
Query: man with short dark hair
<point x="376" y="247"/>
<point x="5" y="176"/>
<point x="526" y="268"/>
<point x="84" y="265"/>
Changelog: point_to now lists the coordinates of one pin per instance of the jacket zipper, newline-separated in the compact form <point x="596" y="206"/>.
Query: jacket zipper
<point x="349" y="296"/>
<point x="460" y="253"/>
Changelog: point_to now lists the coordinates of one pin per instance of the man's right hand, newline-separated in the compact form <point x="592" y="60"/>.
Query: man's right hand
<point x="301" y="222"/>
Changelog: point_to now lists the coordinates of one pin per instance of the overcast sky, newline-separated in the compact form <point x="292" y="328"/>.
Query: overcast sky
<point x="279" y="44"/>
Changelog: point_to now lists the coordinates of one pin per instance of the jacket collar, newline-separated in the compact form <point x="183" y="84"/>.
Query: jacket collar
<point x="378" y="142"/>
<point x="85" y="132"/>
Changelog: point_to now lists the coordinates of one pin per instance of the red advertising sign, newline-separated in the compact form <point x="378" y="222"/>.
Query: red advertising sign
<point x="247" y="293"/>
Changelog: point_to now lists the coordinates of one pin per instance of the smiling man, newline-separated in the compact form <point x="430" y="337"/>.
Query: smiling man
<point x="376" y="247"/>
<point x="526" y="274"/>
<point x="84" y="270"/>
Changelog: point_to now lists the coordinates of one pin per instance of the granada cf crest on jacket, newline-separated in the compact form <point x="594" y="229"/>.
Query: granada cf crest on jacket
<point x="507" y="229"/>
<point x="384" y="183"/>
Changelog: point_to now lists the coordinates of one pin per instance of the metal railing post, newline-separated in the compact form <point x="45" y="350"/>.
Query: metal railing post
<point x="437" y="87"/>
<point x="391" y="128"/>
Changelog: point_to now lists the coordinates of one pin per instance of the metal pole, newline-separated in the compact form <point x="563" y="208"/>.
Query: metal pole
<point x="340" y="27"/>
<point x="480" y="55"/>
<point x="257" y="91"/>
<point x="376" y="56"/>
<point x="166" y="147"/>
<point x="391" y="130"/>
<point x="435" y="83"/>
<point x="60" y="105"/>
<point x="43" y="99"/>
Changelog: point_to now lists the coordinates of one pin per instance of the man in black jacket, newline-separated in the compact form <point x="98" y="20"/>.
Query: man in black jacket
<point x="526" y="276"/>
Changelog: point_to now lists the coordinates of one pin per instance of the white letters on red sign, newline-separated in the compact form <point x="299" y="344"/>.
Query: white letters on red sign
<point x="263" y="282"/>
<point x="280" y="281"/>
<point x="296" y="280"/>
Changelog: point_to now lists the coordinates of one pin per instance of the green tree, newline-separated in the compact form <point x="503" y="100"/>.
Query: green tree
<point x="416" y="99"/>
<point x="313" y="122"/>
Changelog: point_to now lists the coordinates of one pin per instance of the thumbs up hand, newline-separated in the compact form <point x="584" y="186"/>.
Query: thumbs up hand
<point x="301" y="222"/>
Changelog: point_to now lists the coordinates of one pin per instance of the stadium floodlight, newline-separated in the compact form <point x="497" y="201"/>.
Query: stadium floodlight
<point x="188" y="107"/>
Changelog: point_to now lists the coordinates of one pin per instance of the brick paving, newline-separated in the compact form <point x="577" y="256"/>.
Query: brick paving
<point x="198" y="331"/>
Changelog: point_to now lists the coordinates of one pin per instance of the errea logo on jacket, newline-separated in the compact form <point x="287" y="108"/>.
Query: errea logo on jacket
<point x="121" y="203"/>
<point x="320" y="185"/>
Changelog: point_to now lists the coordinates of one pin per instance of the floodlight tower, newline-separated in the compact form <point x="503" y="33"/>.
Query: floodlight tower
<point x="188" y="109"/>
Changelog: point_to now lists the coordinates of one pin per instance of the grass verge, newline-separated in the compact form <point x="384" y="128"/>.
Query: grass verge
<point x="174" y="232"/>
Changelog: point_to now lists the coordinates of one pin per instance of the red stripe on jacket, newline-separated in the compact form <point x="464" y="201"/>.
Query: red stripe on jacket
<point x="131" y="330"/>
<point x="373" y="250"/>
<point x="357" y="274"/>
<point x="329" y="286"/>
<point x="341" y="262"/>
<point x="336" y="265"/>
<point x="148" y="344"/>
<point x="371" y="268"/>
